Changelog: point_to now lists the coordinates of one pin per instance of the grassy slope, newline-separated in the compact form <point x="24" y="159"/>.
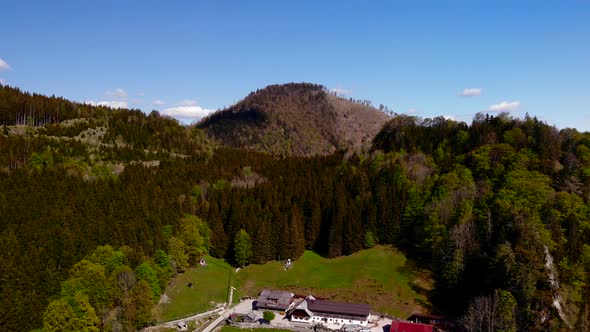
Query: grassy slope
<point x="380" y="276"/>
<point x="209" y="287"/>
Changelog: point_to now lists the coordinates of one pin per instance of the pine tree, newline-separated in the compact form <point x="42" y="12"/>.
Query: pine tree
<point x="313" y="225"/>
<point x="262" y="245"/>
<point x="293" y="237"/>
<point x="242" y="248"/>
<point x="369" y="240"/>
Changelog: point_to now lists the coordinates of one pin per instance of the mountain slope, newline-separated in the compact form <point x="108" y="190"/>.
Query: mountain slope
<point x="298" y="119"/>
<point x="499" y="198"/>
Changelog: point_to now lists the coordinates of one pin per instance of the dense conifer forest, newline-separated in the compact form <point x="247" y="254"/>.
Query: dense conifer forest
<point x="498" y="209"/>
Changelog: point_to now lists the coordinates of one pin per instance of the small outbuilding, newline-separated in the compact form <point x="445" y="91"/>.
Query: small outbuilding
<point x="250" y="317"/>
<point x="241" y="318"/>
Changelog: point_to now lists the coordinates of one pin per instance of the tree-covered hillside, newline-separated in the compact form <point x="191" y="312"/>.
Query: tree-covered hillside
<point x="498" y="209"/>
<point x="506" y="209"/>
<point x="295" y="119"/>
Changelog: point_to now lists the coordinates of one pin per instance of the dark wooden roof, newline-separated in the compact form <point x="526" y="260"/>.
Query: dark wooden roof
<point x="273" y="299"/>
<point x="344" y="308"/>
<point x="276" y="294"/>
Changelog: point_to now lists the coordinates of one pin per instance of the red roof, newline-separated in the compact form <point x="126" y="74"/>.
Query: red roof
<point x="397" y="326"/>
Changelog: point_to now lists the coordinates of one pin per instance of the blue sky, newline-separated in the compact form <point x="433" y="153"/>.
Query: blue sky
<point x="185" y="58"/>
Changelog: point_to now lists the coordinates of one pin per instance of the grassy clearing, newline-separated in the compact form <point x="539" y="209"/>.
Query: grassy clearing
<point x="209" y="288"/>
<point x="381" y="276"/>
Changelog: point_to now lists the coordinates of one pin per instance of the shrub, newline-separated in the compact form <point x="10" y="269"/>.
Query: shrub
<point x="268" y="316"/>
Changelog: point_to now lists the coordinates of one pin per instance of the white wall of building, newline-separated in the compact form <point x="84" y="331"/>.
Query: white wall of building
<point x="301" y="320"/>
<point x="319" y="319"/>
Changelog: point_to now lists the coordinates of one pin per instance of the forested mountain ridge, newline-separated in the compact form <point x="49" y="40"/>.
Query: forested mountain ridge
<point x="298" y="119"/>
<point x="485" y="206"/>
<point x="85" y="138"/>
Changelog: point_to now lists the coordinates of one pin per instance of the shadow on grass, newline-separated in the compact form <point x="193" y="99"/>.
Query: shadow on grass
<point x="426" y="293"/>
<point x="412" y="269"/>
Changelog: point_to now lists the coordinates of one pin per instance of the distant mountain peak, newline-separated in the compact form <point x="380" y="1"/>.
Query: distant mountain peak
<point x="301" y="119"/>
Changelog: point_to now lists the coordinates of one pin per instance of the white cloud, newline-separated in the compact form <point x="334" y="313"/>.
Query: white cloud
<point x="188" y="102"/>
<point x="2" y="81"/>
<point x="109" y="103"/>
<point x="141" y="94"/>
<point x="187" y="114"/>
<point x="4" y="65"/>
<point x="412" y="111"/>
<point x="158" y="102"/>
<point x="119" y="94"/>
<point x="470" y="92"/>
<point x="117" y="98"/>
<point x="341" y="91"/>
<point x="505" y="106"/>
<point x="450" y="117"/>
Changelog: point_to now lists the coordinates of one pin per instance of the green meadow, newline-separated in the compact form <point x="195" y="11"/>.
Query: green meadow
<point x="209" y="287"/>
<point x="380" y="276"/>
